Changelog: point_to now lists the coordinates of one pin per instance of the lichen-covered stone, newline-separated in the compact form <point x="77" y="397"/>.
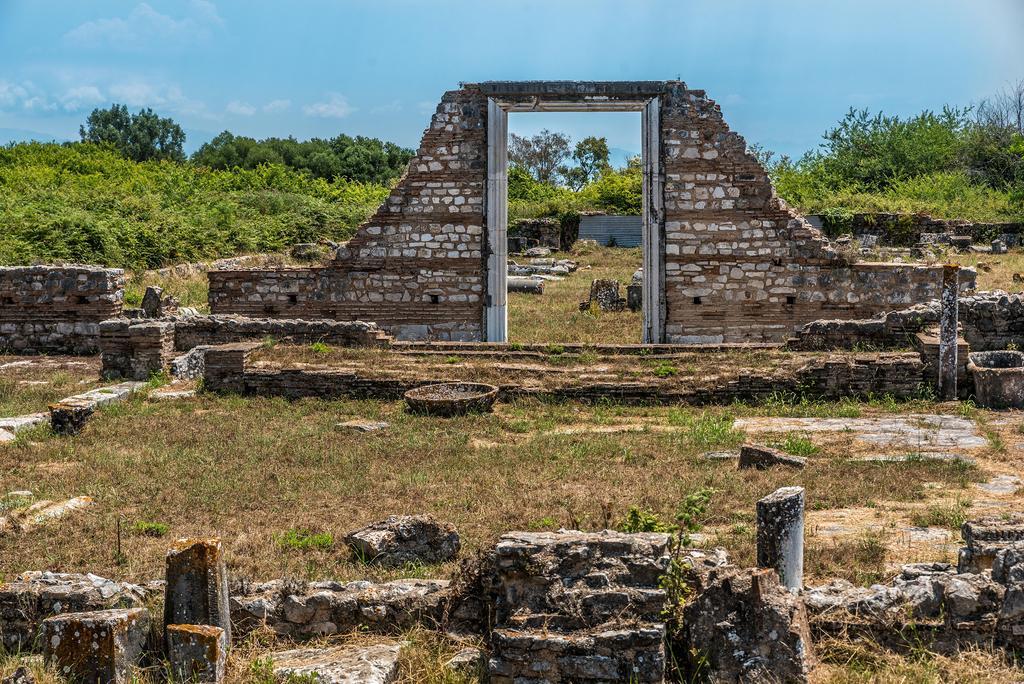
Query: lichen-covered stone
<point x="197" y="585"/>
<point x="743" y="626"/>
<point x="377" y="664"/>
<point x="404" y="539"/>
<point x="100" y="647"/>
<point x="325" y="608"/>
<point x="197" y="653"/>
<point x="34" y="596"/>
<point x="761" y="457"/>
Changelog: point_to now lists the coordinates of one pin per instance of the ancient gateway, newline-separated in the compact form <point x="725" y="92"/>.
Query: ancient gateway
<point x="725" y="260"/>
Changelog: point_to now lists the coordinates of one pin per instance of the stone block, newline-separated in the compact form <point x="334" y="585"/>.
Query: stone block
<point x="197" y="585"/>
<point x="100" y="647"/>
<point x="197" y="653"/>
<point x="401" y="539"/>
<point x="30" y="598"/>
<point x="377" y="664"/>
<point x="761" y="457"/>
<point x="780" y="535"/>
<point x="68" y="417"/>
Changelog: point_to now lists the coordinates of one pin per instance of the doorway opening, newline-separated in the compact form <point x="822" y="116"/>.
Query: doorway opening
<point x="536" y="199"/>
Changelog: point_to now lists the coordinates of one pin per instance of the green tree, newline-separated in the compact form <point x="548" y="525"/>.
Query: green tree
<point x="542" y="155"/>
<point x="591" y="155"/>
<point x="140" y="137"/>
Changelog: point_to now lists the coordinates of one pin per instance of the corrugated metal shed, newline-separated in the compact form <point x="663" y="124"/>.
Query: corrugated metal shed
<point x="622" y="231"/>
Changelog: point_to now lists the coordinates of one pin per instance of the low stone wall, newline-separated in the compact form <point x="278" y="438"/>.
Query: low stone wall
<point x="538" y="232"/>
<point x="138" y="348"/>
<point x="57" y="309"/>
<point x="896" y="374"/>
<point x="436" y="304"/>
<point x="990" y="321"/>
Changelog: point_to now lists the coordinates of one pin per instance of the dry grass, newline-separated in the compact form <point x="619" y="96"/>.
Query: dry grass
<point x="251" y="470"/>
<point x="855" y="662"/>
<point x="995" y="272"/>
<point x="555" y="315"/>
<point x="31" y="388"/>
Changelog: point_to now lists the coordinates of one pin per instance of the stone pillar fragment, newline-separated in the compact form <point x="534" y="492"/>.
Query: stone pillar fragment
<point x="780" y="535"/>
<point x="197" y="653"/>
<point x="947" y="332"/>
<point x="98" y="647"/>
<point x="68" y="417"/>
<point x="197" y="585"/>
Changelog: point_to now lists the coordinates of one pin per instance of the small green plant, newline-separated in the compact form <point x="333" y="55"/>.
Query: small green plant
<point x="451" y="359"/>
<point x="691" y="511"/>
<point x="158" y="379"/>
<point x="949" y="515"/>
<point x="665" y="370"/>
<point x="149" y="529"/>
<point x="304" y="540"/>
<point x="798" y="445"/>
<point x="319" y="348"/>
<point x="515" y="346"/>
<point x="268" y="342"/>
<point x="545" y="523"/>
<point x="638" y="520"/>
<point x="555" y="349"/>
<point x="706" y="430"/>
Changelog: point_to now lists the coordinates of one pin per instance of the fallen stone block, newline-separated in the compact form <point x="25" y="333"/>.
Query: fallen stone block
<point x="41" y="512"/>
<point x="377" y="664"/>
<point x="100" y="647"/>
<point x="359" y="425"/>
<point x="468" y="662"/>
<point x="744" y="626"/>
<point x="197" y="585"/>
<point x="12" y="426"/>
<point x="401" y="539"/>
<point x="326" y="608"/>
<point x="34" y="596"/>
<point x="985" y="538"/>
<point x="761" y="457"/>
<point x="197" y="653"/>
<point x="68" y="417"/>
<point x="616" y="655"/>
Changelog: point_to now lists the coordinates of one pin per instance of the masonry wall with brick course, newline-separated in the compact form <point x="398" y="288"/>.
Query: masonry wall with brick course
<point x="417" y="267"/>
<point x="740" y="266"/>
<point x="57" y="309"/>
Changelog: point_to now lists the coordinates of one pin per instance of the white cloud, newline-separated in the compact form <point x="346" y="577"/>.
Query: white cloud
<point x="11" y="94"/>
<point x="336" y="107"/>
<point x="146" y="28"/>
<point x="81" y="97"/>
<point x="275" y="106"/>
<point x="166" y="97"/>
<point x="389" y="108"/>
<point x="240" y="108"/>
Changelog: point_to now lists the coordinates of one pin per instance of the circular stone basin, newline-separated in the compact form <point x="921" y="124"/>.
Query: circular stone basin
<point x="451" y="398"/>
<point x="998" y="378"/>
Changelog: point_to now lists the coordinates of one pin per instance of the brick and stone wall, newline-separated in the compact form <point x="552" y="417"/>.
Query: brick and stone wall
<point x="417" y="267"/>
<point x="138" y="348"/>
<point x="57" y="309"/>
<point x="740" y="266"/>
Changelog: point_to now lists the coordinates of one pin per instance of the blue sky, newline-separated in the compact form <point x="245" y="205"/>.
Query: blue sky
<point x="783" y="70"/>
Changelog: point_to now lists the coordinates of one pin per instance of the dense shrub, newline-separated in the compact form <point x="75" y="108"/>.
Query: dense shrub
<point x="86" y="203"/>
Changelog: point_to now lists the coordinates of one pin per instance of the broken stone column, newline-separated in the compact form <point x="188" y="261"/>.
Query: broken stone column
<point x="998" y="247"/>
<point x="197" y="653"/>
<point x="947" y="332"/>
<point x="780" y="535"/>
<point x="152" y="302"/>
<point x="197" y="585"/>
<point x="99" y="646"/>
<point x="68" y="417"/>
<point x="525" y="285"/>
<point x="604" y="294"/>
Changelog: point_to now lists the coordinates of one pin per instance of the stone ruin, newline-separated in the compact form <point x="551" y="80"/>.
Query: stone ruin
<point x="725" y="259"/>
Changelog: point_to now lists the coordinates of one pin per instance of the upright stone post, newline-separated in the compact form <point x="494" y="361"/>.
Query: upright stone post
<point x="197" y="585"/>
<point x="780" y="535"/>
<point x="948" y="333"/>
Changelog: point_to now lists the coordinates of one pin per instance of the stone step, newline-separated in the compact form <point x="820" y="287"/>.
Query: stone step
<point x="631" y="654"/>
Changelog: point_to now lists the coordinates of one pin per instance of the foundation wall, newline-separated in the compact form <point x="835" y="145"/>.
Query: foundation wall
<point x="57" y="309"/>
